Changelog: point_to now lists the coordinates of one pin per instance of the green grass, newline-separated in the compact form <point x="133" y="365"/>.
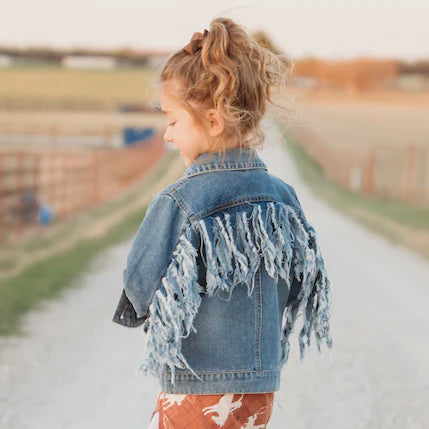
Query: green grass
<point x="46" y="278"/>
<point x="347" y="201"/>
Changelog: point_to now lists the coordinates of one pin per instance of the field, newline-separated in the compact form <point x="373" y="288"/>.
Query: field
<point x="357" y="126"/>
<point x="57" y="88"/>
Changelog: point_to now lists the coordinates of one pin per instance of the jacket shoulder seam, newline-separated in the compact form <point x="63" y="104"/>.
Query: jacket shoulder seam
<point x="179" y="204"/>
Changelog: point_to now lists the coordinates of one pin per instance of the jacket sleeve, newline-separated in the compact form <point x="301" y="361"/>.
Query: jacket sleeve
<point x="149" y="256"/>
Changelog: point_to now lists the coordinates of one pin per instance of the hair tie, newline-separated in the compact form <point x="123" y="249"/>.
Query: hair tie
<point x="196" y="42"/>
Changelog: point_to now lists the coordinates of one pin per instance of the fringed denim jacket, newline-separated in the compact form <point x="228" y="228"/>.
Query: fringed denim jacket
<point x="221" y="267"/>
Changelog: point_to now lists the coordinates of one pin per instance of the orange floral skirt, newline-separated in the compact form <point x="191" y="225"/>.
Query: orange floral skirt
<point x="226" y="411"/>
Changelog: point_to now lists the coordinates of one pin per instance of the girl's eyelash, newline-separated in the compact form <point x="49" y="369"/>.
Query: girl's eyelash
<point x="171" y="123"/>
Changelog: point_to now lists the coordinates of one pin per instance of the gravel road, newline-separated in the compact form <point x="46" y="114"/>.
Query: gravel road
<point x="77" y="369"/>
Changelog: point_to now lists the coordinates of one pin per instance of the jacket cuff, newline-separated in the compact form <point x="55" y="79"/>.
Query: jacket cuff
<point x="126" y="315"/>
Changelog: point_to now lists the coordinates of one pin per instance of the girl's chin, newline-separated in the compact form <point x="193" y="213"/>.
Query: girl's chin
<point x="187" y="160"/>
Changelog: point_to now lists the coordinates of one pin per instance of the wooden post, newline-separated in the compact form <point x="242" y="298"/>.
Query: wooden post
<point x="19" y="187"/>
<point x="2" y="198"/>
<point x="94" y="178"/>
<point x="107" y="136"/>
<point x="368" y="179"/>
<point x="409" y="173"/>
<point x="50" y="192"/>
<point x="53" y="132"/>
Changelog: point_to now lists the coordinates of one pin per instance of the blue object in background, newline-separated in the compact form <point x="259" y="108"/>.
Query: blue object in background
<point x="133" y="135"/>
<point x="45" y="214"/>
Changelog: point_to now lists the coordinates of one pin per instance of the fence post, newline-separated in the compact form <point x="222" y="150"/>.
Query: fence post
<point x="50" y="191"/>
<point x="53" y="132"/>
<point x="409" y="172"/>
<point x="2" y="196"/>
<point x="368" y="177"/>
<point x="18" y="206"/>
<point x="107" y="136"/>
<point x="94" y="178"/>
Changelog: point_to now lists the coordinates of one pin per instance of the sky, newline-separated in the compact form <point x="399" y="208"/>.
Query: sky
<point x="327" y="29"/>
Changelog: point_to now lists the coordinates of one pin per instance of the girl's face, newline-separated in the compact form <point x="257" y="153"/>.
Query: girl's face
<point x="181" y="131"/>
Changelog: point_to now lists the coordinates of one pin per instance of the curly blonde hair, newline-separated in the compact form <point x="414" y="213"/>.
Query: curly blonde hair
<point x="233" y="74"/>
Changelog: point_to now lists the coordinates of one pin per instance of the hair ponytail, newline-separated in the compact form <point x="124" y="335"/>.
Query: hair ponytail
<point x="234" y="74"/>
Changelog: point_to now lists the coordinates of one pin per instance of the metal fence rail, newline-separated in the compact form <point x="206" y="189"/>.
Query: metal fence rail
<point x="395" y="172"/>
<point x="66" y="181"/>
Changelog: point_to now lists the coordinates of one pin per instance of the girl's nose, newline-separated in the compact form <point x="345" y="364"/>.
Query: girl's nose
<point x="167" y="136"/>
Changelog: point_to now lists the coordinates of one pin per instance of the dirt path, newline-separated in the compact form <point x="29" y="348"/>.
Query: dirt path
<point x="76" y="368"/>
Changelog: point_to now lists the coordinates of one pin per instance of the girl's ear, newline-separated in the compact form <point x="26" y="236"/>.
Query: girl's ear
<point x="215" y="122"/>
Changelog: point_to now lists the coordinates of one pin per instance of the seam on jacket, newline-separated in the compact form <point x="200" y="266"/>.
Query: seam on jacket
<point x="174" y="187"/>
<point x="214" y="170"/>
<point x="223" y="372"/>
<point x="232" y="203"/>
<point x="181" y="206"/>
<point x="260" y="309"/>
<point x="258" y="318"/>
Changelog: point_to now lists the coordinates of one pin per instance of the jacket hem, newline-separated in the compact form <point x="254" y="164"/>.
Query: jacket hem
<point x="221" y="382"/>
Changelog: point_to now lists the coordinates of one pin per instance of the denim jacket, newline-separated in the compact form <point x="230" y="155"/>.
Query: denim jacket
<point x="222" y="265"/>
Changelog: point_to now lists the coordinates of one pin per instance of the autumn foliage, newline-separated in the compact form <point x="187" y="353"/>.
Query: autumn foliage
<point x="353" y="75"/>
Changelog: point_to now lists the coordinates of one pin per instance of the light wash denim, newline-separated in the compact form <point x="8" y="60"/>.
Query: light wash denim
<point x="221" y="267"/>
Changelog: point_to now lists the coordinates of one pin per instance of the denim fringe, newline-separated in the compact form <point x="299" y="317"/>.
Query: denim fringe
<point x="232" y="258"/>
<point x="172" y="312"/>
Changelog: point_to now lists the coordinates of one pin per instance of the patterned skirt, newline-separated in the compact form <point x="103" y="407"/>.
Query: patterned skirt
<point x="226" y="411"/>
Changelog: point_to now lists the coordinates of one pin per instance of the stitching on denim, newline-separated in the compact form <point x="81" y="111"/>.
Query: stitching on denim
<point x="233" y="203"/>
<point x="214" y="170"/>
<point x="259" y="318"/>
<point x="181" y="206"/>
<point x="250" y="371"/>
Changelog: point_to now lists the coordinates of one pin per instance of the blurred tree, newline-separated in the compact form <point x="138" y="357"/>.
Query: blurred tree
<point x="353" y="75"/>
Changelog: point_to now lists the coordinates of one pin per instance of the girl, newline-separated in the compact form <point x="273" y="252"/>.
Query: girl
<point x="224" y="260"/>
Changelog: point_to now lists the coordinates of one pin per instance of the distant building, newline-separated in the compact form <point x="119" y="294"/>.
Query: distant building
<point x="5" y="60"/>
<point x="155" y="62"/>
<point x="410" y="82"/>
<point x="155" y="59"/>
<point x="89" y="62"/>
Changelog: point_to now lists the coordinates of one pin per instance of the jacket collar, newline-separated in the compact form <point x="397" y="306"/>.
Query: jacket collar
<point x="235" y="158"/>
